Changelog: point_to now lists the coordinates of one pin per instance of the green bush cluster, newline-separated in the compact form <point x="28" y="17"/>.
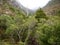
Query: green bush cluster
<point x="38" y="29"/>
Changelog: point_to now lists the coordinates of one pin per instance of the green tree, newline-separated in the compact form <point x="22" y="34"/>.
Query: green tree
<point x="40" y="14"/>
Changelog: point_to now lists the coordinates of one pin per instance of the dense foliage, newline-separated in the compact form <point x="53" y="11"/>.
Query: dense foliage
<point x="37" y="29"/>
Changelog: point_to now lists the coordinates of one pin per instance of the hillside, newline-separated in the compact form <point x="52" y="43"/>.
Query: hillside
<point x="7" y="8"/>
<point x="11" y="7"/>
<point x="53" y="7"/>
<point x="20" y="6"/>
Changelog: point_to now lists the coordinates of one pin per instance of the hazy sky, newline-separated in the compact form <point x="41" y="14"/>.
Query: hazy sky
<point x="33" y="4"/>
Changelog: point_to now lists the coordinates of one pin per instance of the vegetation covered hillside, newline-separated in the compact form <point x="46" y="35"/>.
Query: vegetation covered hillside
<point x="16" y="28"/>
<point x="53" y="7"/>
<point x="7" y="7"/>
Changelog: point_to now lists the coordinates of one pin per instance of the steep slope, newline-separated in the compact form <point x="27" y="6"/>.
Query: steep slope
<point x="53" y="7"/>
<point x="6" y="7"/>
<point x="12" y="7"/>
<point x="20" y="6"/>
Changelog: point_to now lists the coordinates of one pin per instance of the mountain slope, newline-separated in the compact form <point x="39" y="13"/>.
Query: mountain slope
<point x="20" y="6"/>
<point x="12" y="7"/>
<point x="53" y="7"/>
<point x="6" y="7"/>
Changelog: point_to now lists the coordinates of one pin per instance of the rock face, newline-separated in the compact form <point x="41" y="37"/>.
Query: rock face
<point x="53" y="7"/>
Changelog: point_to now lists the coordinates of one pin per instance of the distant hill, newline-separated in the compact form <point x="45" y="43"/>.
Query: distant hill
<point x="53" y="7"/>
